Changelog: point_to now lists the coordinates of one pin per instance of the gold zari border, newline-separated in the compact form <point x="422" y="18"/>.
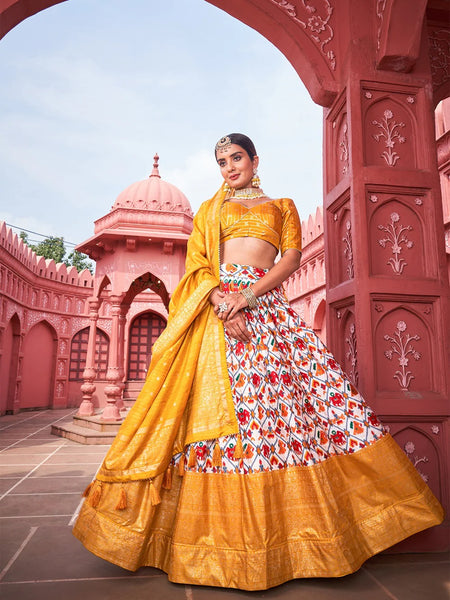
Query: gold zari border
<point x="256" y="531"/>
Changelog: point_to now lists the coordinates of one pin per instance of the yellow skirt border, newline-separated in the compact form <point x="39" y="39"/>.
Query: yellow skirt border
<point x="257" y="531"/>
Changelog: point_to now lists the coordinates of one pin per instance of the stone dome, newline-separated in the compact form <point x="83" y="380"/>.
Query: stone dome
<point x="153" y="194"/>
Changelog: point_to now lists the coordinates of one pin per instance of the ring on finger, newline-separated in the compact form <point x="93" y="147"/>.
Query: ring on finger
<point x="223" y="307"/>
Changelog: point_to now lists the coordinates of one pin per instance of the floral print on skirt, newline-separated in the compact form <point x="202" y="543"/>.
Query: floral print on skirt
<point x="294" y="404"/>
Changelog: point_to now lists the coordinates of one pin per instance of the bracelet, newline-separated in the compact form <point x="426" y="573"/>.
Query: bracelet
<point x="249" y="295"/>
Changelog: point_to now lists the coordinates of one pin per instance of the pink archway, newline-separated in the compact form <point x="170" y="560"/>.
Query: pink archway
<point x="379" y="68"/>
<point x="305" y="37"/>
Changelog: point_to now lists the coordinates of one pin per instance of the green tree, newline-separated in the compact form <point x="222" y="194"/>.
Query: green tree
<point x="79" y="260"/>
<point x="53" y="247"/>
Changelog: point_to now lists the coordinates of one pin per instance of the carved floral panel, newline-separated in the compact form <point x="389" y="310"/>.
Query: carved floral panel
<point x="404" y="349"/>
<point x="439" y="51"/>
<point x="424" y="449"/>
<point x="390" y="134"/>
<point x="340" y="242"/>
<point x="343" y="333"/>
<point x="315" y="17"/>
<point x="350" y="364"/>
<point x="337" y="147"/>
<point x="396" y="236"/>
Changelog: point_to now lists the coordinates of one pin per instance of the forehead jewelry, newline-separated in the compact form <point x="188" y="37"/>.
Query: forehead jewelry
<point x="223" y="144"/>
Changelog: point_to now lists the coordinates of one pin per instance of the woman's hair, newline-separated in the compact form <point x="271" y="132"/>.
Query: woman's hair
<point x="240" y="140"/>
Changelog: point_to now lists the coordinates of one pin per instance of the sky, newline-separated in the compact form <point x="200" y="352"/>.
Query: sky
<point x="91" y="89"/>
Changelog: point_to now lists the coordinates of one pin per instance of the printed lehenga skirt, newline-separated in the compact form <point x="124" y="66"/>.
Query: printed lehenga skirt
<point x="311" y="486"/>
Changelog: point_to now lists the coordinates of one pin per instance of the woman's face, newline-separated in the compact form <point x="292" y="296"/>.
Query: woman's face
<point x="236" y="166"/>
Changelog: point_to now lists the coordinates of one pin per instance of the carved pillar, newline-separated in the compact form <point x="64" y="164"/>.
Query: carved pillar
<point x="387" y="288"/>
<point x="113" y="390"/>
<point x="121" y="353"/>
<point x="90" y="371"/>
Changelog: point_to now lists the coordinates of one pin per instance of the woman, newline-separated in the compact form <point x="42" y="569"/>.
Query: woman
<point x="248" y="459"/>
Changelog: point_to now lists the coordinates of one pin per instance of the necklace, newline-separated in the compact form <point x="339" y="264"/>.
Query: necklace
<point x="247" y="193"/>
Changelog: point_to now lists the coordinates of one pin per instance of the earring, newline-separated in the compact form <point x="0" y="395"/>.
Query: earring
<point x="226" y="187"/>
<point x="256" y="181"/>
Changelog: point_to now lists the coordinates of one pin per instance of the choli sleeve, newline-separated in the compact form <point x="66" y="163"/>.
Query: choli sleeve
<point x="291" y="230"/>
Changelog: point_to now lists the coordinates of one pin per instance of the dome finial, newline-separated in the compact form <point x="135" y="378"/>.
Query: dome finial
<point x="155" y="172"/>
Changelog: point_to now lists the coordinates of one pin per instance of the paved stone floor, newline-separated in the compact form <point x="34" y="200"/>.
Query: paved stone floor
<point x="41" y="478"/>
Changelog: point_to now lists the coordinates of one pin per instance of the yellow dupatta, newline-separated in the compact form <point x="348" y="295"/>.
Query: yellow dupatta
<point x="186" y="396"/>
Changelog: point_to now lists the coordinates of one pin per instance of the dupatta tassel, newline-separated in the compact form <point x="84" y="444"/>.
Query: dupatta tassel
<point x="154" y="495"/>
<point x="192" y="462"/>
<point x="96" y="495"/>
<point x="217" y="455"/>
<point x="87" y="491"/>
<point x="167" y="479"/>
<point x="238" y="449"/>
<point x="122" y="502"/>
<point x="181" y="465"/>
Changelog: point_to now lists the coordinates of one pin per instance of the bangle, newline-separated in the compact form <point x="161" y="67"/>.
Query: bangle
<point x="249" y="295"/>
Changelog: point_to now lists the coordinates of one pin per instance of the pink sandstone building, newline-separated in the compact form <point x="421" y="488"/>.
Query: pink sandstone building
<point x="374" y="274"/>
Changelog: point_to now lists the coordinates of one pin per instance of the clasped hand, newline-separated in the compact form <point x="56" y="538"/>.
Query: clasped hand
<point x="232" y="317"/>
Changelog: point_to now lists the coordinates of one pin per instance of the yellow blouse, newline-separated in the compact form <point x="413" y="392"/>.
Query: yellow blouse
<point x="274" y="221"/>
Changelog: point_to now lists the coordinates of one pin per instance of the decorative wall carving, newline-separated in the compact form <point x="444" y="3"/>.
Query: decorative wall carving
<point x="348" y="250"/>
<point x="351" y="354"/>
<point x="395" y="237"/>
<point x="314" y="17"/>
<point x="389" y="133"/>
<point x="423" y="450"/>
<point x="343" y="147"/>
<point x="340" y="235"/>
<point x="403" y="350"/>
<point x="381" y="7"/>
<point x="439" y="49"/>
<point x="399" y="235"/>
<point x="337" y="143"/>
<point x="405" y="357"/>
<point x="410" y="448"/>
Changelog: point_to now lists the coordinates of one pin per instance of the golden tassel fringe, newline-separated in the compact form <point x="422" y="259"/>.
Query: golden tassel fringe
<point x="97" y="494"/>
<point x="181" y="465"/>
<point x="122" y="503"/>
<point x="192" y="462"/>
<point x="154" y="495"/>
<point x="167" y="479"/>
<point x="87" y="491"/>
<point x="217" y="455"/>
<point x="238" y="449"/>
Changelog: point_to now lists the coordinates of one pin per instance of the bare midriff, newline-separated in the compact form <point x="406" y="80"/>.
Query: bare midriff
<point x="248" y="251"/>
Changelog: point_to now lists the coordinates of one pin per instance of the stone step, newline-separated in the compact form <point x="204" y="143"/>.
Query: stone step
<point x="95" y="422"/>
<point x="82" y="435"/>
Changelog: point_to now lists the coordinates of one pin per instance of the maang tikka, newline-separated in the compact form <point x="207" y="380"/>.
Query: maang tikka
<point x="223" y="144"/>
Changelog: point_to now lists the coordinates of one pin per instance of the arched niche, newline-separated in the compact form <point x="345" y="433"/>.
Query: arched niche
<point x="319" y="319"/>
<point x="390" y="134"/>
<point x="39" y="361"/>
<point x="9" y="364"/>
<point x="422" y="451"/>
<point x="396" y="233"/>
<point x="404" y="353"/>
<point x="144" y="330"/>
<point x="147" y="281"/>
<point x="78" y="352"/>
<point x="350" y="351"/>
